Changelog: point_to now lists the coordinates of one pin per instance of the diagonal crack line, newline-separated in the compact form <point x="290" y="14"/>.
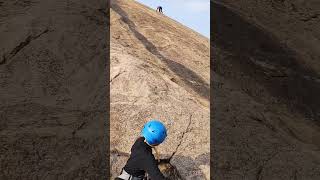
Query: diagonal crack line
<point x="258" y="176"/>
<point x="116" y="76"/>
<point x="78" y="128"/>
<point x="22" y="44"/>
<point x="264" y="122"/>
<point x="25" y="43"/>
<point x="183" y="133"/>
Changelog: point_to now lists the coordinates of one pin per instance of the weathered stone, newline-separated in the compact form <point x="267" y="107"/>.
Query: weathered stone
<point x="53" y="89"/>
<point x="265" y="122"/>
<point x="160" y="70"/>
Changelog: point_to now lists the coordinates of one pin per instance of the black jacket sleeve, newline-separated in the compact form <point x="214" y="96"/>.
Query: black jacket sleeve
<point x="151" y="167"/>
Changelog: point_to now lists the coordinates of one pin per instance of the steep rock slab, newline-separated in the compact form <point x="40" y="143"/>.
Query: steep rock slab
<point x="295" y="23"/>
<point x="159" y="69"/>
<point x="52" y="105"/>
<point x="265" y="121"/>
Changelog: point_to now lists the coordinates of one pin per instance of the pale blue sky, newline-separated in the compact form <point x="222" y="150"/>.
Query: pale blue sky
<point x="194" y="14"/>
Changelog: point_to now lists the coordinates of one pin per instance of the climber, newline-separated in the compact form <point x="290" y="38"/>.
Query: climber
<point x="159" y="9"/>
<point x="141" y="160"/>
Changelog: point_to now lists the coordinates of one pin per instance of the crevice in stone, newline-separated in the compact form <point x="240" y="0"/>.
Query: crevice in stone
<point x="117" y="75"/>
<point x="22" y="44"/>
<point x="182" y="137"/>
<point x="260" y="169"/>
<point x="264" y="122"/>
<point x="78" y="128"/>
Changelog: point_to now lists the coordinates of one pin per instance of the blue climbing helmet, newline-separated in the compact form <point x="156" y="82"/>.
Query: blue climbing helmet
<point x="154" y="132"/>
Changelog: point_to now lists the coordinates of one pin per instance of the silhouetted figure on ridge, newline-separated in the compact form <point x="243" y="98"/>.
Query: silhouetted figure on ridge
<point x="159" y="9"/>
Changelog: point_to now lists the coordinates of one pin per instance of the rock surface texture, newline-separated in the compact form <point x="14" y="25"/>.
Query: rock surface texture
<point x="265" y="88"/>
<point x="52" y="103"/>
<point x="159" y="70"/>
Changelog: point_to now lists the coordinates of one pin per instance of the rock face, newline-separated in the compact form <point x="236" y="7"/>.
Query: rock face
<point x="159" y="70"/>
<point x="52" y="105"/>
<point x="266" y="88"/>
<point x="295" y="23"/>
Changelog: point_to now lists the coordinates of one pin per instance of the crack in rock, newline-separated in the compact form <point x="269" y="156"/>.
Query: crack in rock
<point x="78" y="128"/>
<point x="117" y="75"/>
<point x="22" y="44"/>
<point x="183" y="133"/>
<point x="264" y="121"/>
<point x="258" y="176"/>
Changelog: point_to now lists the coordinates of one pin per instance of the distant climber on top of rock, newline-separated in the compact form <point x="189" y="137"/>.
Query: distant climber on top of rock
<point x="159" y="9"/>
<point x="141" y="160"/>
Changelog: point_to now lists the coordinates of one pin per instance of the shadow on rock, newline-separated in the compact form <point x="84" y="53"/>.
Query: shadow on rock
<point x="189" y="77"/>
<point x="254" y="55"/>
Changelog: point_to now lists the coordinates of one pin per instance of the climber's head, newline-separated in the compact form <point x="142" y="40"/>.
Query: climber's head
<point x="154" y="132"/>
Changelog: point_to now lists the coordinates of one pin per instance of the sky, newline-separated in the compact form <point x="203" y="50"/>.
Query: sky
<point x="194" y="14"/>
